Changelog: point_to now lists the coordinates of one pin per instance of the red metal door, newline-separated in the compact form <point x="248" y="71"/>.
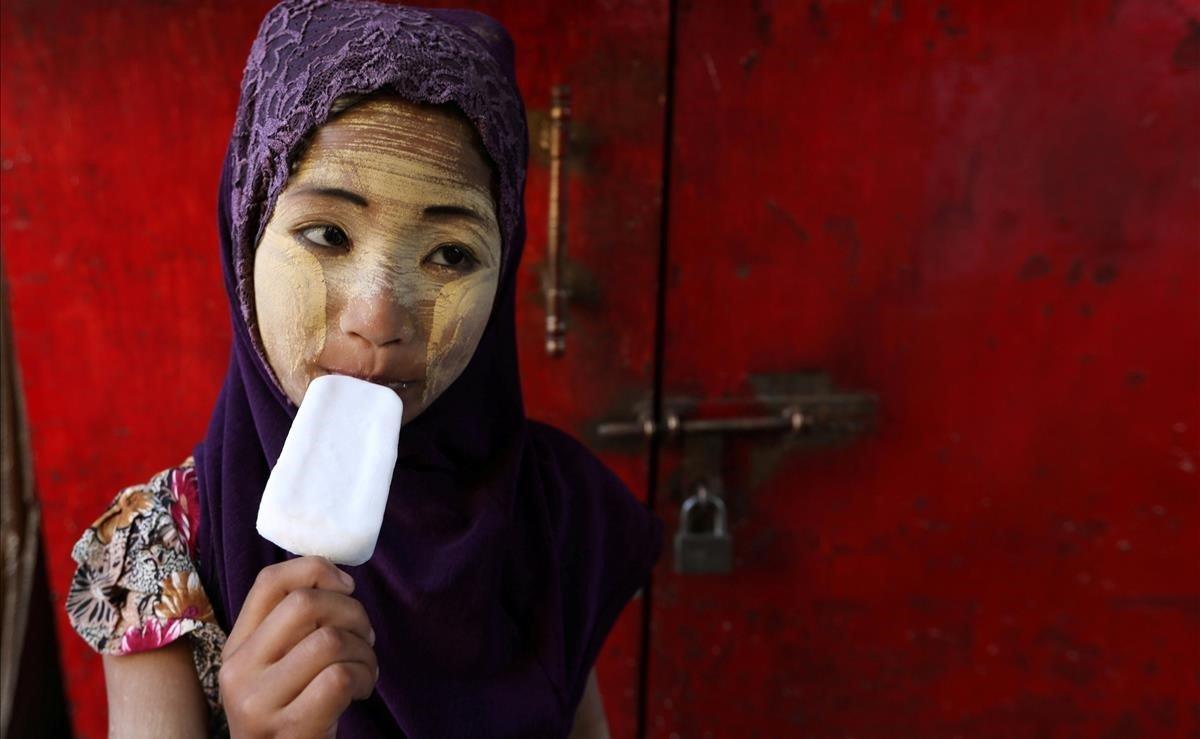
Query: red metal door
<point x="115" y="120"/>
<point x="985" y="214"/>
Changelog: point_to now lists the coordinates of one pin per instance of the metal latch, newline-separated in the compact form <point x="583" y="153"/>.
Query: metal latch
<point x="800" y="408"/>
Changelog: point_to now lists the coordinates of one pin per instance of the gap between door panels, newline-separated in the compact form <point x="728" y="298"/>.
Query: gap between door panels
<point x="656" y="392"/>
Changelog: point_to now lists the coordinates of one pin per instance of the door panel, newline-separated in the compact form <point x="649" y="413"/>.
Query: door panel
<point x="983" y="214"/>
<point x="115" y="121"/>
<point x="613" y="57"/>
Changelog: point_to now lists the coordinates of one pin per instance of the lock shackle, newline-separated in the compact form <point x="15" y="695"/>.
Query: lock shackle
<point x="705" y="497"/>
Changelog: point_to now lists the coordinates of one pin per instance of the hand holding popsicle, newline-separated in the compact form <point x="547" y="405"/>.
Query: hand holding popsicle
<point x="300" y="651"/>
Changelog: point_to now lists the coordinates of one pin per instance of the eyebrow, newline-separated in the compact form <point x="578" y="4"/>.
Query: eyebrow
<point x="435" y="211"/>
<point x="335" y="192"/>
<point x="430" y="211"/>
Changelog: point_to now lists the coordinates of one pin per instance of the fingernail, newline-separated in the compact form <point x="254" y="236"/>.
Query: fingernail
<point x="371" y="639"/>
<point x="376" y="672"/>
<point x="346" y="578"/>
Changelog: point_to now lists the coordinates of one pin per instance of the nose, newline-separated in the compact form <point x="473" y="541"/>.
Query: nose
<point x="378" y="318"/>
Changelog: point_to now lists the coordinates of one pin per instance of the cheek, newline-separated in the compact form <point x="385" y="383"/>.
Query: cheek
<point x="460" y="314"/>
<point x="289" y="297"/>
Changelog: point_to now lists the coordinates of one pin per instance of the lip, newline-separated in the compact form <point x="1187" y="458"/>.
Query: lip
<point x="395" y="383"/>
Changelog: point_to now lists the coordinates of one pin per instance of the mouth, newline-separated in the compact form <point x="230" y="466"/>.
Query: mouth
<point x="394" y="384"/>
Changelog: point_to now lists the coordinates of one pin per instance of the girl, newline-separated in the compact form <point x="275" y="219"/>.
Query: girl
<point x="371" y="223"/>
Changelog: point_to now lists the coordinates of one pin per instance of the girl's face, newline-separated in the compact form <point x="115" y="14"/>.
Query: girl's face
<point x="382" y="256"/>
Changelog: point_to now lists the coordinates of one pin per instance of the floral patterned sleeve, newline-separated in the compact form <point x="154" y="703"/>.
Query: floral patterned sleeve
<point x="136" y="587"/>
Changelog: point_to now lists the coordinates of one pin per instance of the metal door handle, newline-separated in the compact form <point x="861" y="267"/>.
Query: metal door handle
<point x="555" y="291"/>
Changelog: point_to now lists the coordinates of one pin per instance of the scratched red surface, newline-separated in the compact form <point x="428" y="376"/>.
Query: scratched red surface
<point x="985" y="214"/>
<point x="115" y="120"/>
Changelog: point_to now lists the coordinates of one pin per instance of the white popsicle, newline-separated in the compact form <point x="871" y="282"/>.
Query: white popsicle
<point x="327" y="493"/>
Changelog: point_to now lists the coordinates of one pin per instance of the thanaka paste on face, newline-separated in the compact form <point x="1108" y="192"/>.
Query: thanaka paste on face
<point x="454" y="334"/>
<point x="378" y="305"/>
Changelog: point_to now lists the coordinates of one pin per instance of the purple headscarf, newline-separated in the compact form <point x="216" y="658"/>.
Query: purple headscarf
<point x="507" y="549"/>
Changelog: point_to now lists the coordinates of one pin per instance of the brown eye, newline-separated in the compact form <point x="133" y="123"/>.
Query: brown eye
<point x="325" y="235"/>
<point x="452" y="255"/>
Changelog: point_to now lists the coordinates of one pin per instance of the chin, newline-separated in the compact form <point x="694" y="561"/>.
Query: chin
<point x="412" y="403"/>
<point x="411" y="412"/>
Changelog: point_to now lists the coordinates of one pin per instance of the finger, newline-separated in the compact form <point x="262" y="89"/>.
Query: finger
<point x="288" y="677"/>
<point x="300" y="613"/>
<point x="330" y="693"/>
<point x="274" y="583"/>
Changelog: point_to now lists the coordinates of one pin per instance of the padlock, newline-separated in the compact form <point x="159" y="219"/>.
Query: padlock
<point x="697" y="549"/>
